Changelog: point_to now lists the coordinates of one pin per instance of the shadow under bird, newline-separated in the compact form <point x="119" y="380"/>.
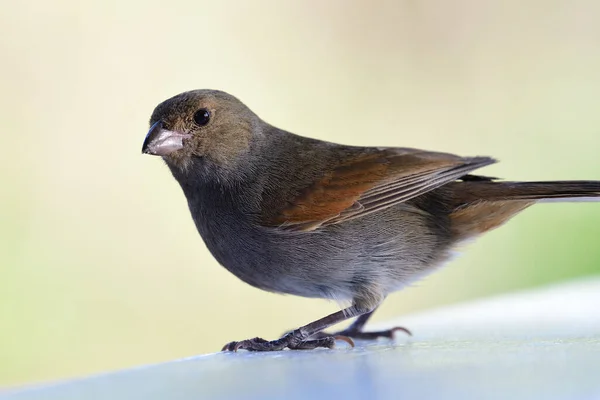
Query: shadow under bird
<point x="290" y="214"/>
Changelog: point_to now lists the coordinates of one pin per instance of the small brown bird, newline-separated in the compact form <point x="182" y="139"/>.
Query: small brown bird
<point x="290" y="214"/>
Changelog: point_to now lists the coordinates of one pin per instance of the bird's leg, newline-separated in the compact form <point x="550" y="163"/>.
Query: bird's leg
<point x="355" y="330"/>
<point x="300" y="339"/>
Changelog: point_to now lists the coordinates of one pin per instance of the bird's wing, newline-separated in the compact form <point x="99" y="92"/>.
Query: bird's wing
<point x="364" y="183"/>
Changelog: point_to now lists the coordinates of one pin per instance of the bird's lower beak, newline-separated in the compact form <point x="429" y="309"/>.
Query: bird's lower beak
<point x="162" y="142"/>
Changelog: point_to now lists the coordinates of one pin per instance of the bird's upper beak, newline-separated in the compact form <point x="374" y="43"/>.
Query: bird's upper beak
<point x="162" y="142"/>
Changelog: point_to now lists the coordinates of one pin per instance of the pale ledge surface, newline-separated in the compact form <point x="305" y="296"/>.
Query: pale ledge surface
<point x="542" y="344"/>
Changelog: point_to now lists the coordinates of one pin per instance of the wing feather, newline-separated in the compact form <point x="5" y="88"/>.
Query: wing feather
<point x="365" y="183"/>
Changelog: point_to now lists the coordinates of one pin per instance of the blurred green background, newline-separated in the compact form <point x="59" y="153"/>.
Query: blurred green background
<point x="101" y="266"/>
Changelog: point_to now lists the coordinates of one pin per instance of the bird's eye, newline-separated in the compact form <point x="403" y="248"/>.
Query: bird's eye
<point x="201" y="117"/>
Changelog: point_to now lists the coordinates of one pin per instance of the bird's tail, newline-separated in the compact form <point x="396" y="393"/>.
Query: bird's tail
<point x="484" y="205"/>
<point x="535" y="191"/>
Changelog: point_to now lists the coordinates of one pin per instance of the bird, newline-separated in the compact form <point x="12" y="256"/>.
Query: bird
<point x="295" y="215"/>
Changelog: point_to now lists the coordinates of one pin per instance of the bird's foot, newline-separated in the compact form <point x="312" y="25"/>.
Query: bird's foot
<point x="292" y="341"/>
<point x="360" y="335"/>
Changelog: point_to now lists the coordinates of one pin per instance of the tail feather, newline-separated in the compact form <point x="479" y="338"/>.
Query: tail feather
<point x="547" y="191"/>
<point x="582" y="199"/>
<point x="481" y="206"/>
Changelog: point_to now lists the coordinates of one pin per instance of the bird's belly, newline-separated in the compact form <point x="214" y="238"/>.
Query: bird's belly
<point x="335" y="262"/>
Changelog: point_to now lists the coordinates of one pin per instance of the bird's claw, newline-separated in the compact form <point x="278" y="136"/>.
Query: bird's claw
<point x="289" y="341"/>
<point x="360" y="335"/>
<point x="234" y="346"/>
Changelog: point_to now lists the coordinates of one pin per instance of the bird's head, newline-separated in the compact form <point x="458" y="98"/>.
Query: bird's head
<point x="207" y="125"/>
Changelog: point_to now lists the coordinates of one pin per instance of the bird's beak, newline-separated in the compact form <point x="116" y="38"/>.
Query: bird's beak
<point x="162" y="142"/>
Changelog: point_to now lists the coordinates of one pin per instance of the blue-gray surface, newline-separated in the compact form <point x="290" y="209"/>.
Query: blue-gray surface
<point x="534" y="345"/>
